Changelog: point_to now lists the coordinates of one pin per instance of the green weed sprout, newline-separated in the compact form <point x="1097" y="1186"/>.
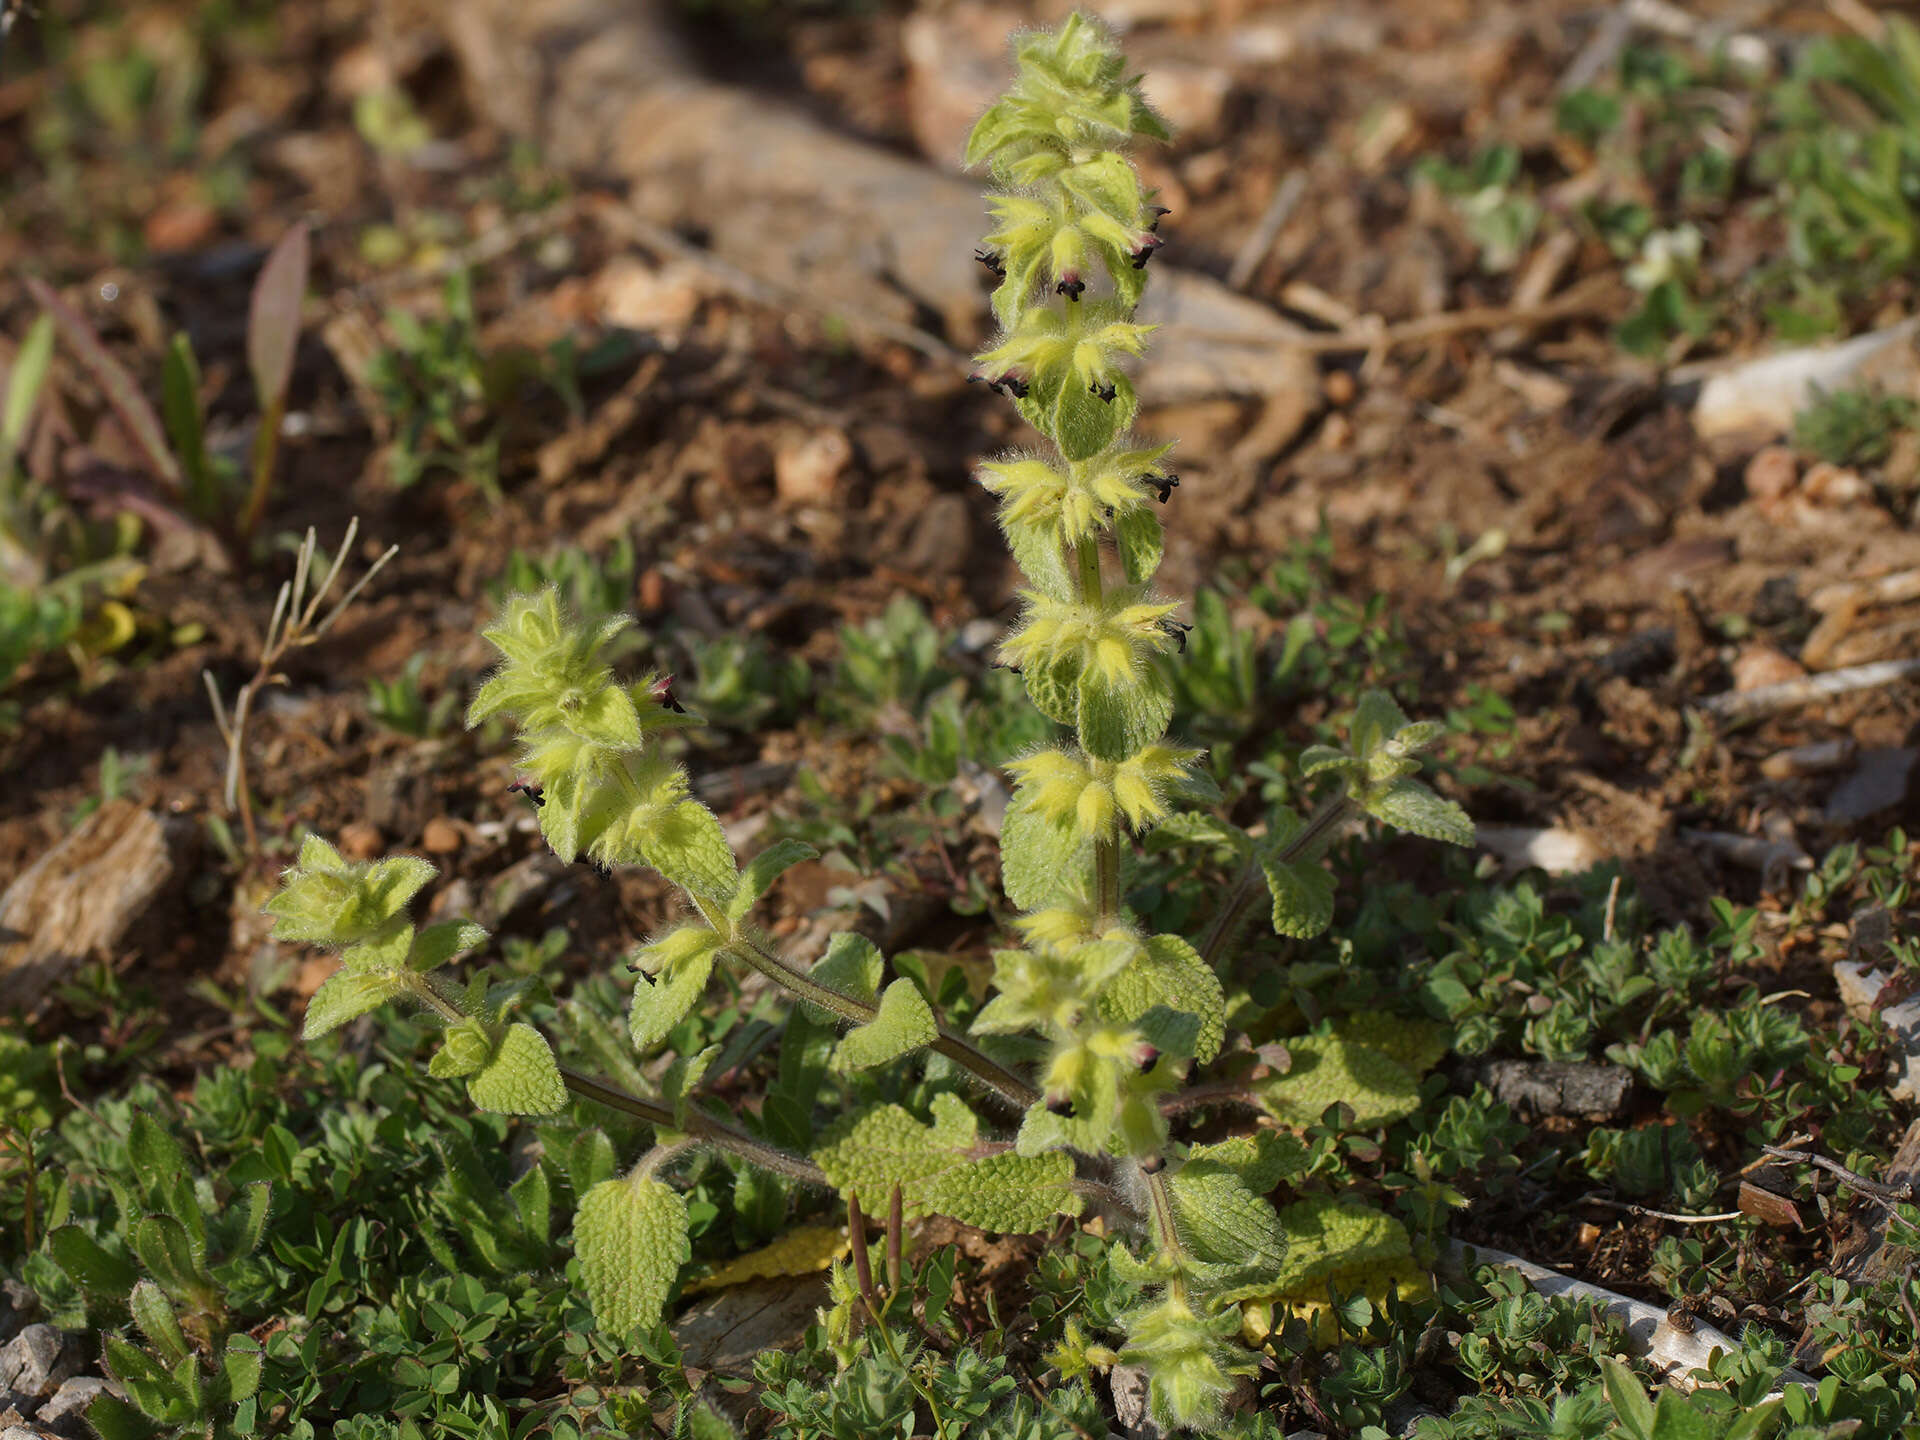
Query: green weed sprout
<point x="1111" y="1017"/>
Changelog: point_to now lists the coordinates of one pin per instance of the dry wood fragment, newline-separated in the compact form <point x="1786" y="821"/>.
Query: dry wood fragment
<point x="1816" y="758"/>
<point x="857" y="232"/>
<point x="84" y="897"/>
<point x="1771" y="699"/>
<point x="1286" y="199"/>
<point x="1894" y="589"/>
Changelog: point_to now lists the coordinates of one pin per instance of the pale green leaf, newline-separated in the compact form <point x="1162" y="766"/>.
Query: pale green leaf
<point x="1170" y="973"/>
<point x="345" y="996"/>
<point x="1038" y="860"/>
<point x="521" y="1078"/>
<point x="383" y="952"/>
<point x="1302" y="896"/>
<point x="464" y="1050"/>
<point x="1409" y="805"/>
<point x="852" y="966"/>
<point x="1138" y="539"/>
<point x="1327" y="1069"/>
<point x="1118" y="718"/>
<point x="1376" y="719"/>
<point x="1261" y="1159"/>
<point x="904" y="1023"/>
<point x="662" y="1003"/>
<point x="1042" y="558"/>
<point x="631" y="1237"/>
<point x="687" y="845"/>
<point x="1053" y="688"/>
<point x="437" y="944"/>
<point x="1222" y="1223"/>
<point x="760" y="872"/>
<point x="943" y="1168"/>
<point x="1316" y="758"/>
<point x="1339" y="1244"/>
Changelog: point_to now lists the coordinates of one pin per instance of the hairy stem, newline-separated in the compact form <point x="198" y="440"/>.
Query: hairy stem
<point x="1165" y="1230"/>
<point x="1106" y="848"/>
<point x="708" y="1129"/>
<point x="956" y="1047"/>
<point x="1249" y="884"/>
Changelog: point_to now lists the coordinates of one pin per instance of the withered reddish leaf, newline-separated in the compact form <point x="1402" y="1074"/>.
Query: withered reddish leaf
<point x="122" y="393"/>
<point x="1768" y="1206"/>
<point x="273" y="323"/>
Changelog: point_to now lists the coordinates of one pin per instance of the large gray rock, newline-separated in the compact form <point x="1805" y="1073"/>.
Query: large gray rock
<point x="31" y="1363"/>
<point x="65" y="1413"/>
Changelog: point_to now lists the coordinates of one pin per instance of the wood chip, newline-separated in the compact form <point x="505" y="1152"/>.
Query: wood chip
<point x="83" y="897"/>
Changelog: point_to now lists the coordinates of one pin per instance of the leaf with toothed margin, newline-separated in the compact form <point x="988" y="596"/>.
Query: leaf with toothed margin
<point x="944" y="1168"/>
<point x="903" y="1023"/>
<point x="1138" y="538"/>
<point x="1328" y="1068"/>
<point x="345" y="995"/>
<point x="1169" y="972"/>
<point x="1038" y="858"/>
<point x="760" y="872"/>
<point x="522" y="1078"/>
<point x="1118" y="718"/>
<point x="631" y="1237"/>
<point x="1408" y="805"/>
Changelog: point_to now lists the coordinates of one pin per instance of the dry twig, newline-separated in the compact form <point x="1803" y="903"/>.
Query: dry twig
<point x="1770" y="699"/>
<point x="293" y="625"/>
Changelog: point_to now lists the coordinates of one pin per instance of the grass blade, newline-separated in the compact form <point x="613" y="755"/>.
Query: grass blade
<point x="114" y="381"/>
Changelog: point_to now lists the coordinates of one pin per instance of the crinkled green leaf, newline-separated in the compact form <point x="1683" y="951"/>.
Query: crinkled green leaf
<point x="1054" y="688"/>
<point x="1116" y="719"/>
<point x="521" y="1078"/>
<point x="684" y="961"/>
<point x="1338" y="1243"/>
<point x="687" y="845"/>
<point x="1042" y="558"/>
<point x="1416" y="1043"/>
<point x="464" y="1050"/>
<point x="389" y="887"/>
<point x="1261" y="1159"/>
<point x="852" y="966"/>
<point x="1138" y="538"/>
<point x="1170" y="973"/>
<point x="631" y="1237"/>
<point x="943" y="1168"/>
<point x="606" y="717"/>
<point x="1038" y="860"/>
<point x="760" y="872"/>
<point x="1409" y="805"/>
<point x="1327" y="1069"/>
<point x="1302" y="896"/>
<point x="904" y="1023"/>
<point x="1316" y="758"/>
<point x="345" y="996"/>
<point x="1226" y="1227"/>
<point x="383" y="952"/>
<point x="437" y="944"/>
<point x="1376" y="719"/>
